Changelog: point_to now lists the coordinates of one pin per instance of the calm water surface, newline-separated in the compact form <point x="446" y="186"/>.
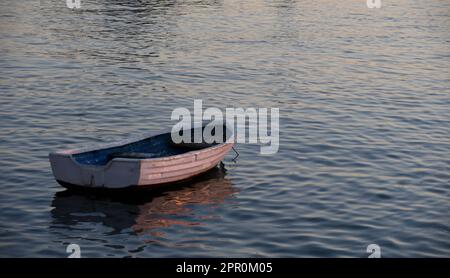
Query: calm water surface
<point x="364" y="98"/>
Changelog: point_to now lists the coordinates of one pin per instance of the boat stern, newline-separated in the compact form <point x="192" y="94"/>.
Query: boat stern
<point x="118" y="173"/>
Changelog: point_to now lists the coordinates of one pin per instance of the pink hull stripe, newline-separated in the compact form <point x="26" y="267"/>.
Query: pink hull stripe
<point x="179" y="166"/>
<point x="164" y="171"/>
<point x="167" y="174"/>
<point x="175" y="178"/>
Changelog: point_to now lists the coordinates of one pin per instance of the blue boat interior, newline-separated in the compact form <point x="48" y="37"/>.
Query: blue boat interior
<point x="152" y="147"/>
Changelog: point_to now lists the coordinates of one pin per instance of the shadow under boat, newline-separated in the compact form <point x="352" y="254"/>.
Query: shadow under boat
<point x="143" y="210"/>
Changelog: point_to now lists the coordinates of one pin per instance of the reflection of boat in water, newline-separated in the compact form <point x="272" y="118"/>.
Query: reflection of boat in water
<point x="143" y="212"/>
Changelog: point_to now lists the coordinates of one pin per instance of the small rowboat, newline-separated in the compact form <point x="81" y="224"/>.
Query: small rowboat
<point x="150" y="160"/>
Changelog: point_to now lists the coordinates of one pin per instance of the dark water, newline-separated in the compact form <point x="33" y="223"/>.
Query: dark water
<point x="364" y="125"/>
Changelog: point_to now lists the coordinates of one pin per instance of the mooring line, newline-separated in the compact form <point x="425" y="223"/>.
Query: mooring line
<point x="237" y="154"/>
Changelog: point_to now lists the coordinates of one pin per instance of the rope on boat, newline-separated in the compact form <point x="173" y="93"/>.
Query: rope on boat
<point x="237" y="154"/>
<point x="222" y="165"/>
